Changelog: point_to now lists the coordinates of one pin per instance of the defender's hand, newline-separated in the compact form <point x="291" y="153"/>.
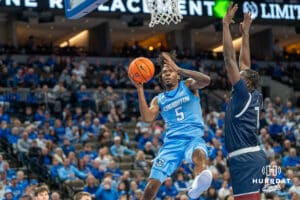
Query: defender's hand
<point x="245" y="25"/>
<point x="230" y="14"/>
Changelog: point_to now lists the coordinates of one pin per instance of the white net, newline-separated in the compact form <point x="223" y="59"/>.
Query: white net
<point x="163" y="12"/>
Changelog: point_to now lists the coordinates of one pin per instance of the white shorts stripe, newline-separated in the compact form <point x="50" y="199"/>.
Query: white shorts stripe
<point x="236" y="195"/>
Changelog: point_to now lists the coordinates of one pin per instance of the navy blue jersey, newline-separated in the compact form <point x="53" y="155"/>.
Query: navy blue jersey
<point x="242" y="118"/>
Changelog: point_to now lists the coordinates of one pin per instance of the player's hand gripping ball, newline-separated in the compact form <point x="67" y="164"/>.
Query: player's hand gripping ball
<point x="141" y="70"/>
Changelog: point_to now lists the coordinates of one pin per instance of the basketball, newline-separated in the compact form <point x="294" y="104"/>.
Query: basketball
<point x="141" y="70"/>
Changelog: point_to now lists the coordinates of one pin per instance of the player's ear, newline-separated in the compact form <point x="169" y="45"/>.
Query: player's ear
<point x="248" y="83"/>
<point x="178" y="77"/>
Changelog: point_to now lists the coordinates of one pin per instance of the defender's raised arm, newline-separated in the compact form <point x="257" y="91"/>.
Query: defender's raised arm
<point x="228" y="50"/>
<point x="244" y="59"/>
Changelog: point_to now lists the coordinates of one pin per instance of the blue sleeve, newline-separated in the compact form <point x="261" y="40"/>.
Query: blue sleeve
<point x="98" y="193"/>
<point x="62" y="174"/>
<point x="127" y="140"/>
<point x="113" y="151"/>
<point x="240" y="97"/>
<point x="78" y="173"/>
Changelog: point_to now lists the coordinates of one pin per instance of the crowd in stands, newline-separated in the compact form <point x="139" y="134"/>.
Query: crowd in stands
<point x="75" y="126"/>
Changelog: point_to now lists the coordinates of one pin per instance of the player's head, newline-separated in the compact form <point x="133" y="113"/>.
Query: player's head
<point x="83" y="196"/>
<point x="41" y="192"/>
<point x="251" y="78"/>
<point x="168" y="78"/>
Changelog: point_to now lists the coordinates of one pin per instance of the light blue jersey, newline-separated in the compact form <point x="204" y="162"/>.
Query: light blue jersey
<point x="181" y="111"/>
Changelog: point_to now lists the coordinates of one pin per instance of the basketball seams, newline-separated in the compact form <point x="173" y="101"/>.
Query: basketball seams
<point x="148" y="67"/>
<point x="140" y="72"/>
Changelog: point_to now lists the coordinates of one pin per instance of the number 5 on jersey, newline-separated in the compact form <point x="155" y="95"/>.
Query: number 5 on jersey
<point x="179" y="114"/>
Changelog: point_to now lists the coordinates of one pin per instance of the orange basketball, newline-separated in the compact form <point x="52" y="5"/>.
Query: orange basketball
<point x="141" y="70"/>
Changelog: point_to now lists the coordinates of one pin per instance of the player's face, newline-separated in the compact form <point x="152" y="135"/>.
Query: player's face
<point x="169" y="76"/>
<point x="43" y="196"/>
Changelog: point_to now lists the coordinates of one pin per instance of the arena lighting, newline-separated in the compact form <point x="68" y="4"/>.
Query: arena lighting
<point x="73" y="40"/>
<point x="236" y="44"/>
<point x="63" y="44"/>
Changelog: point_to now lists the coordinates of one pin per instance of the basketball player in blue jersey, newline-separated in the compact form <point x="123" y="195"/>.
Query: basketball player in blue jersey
<point x="246" y="159"/>
<point x="180" y="108"/>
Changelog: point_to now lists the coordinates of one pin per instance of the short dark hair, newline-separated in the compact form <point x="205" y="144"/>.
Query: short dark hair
<point x="253" y="77"/>
<point x="40" y="189"/>
<point x="79" y="195"/>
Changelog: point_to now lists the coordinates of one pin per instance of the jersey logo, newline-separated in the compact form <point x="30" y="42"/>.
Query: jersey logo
<point x="160" y="162"/>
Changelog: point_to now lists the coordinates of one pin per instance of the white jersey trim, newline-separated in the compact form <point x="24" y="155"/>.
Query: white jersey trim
<point x="236" y="195"/>
<point x="245" y="108"/>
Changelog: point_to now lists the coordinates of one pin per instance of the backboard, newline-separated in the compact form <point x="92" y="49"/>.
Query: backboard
<point x="76" y="9"/>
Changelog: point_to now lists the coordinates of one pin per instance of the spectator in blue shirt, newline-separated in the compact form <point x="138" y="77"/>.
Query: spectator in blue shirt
<point x="91" y="185"/>
<point x="22" y="183"/>
<point x="8" y="195"/>
<point x="9" y="172"/>
<point x="180" y="183"/>
<point x="40" y="115"/>
<point x="118" y="150"/>
<point x="31" y="98"/>
<point x="288" y="108"/>
<point x="87" y="131"/>
<point x="54" y="168"/>
<point x="144" y="139"/>
<point x="31" y="78"/>
<point x="168" y="189"/>
<point x="106" y="191"/>
<point x="18" y="79"/>
<point x="97" y="127"/>
<point x="59" y="130"/>
<point x="96" y="170"/>
<point x="114" y="170"/>
<point x="15" y="188"/>
<point x="14" y="96"/>
<point x="45" y="158"/>
<point x="67" y="147"/>
<point x="216" y="182"/>
<point x="87" y="151"/>
<point x="4" y="130"/>
<point x="84" y="97"/>
<point x="291" y="160"/>
<point x="275" y="129"/>
<point x="69" y="172"/>
<point x="3" y="115"/>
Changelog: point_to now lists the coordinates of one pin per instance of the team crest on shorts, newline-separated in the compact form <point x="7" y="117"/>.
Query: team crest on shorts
<point x="160" y="162"/>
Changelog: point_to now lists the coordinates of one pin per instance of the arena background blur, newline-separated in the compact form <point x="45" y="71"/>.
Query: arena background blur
<point x="69" y="114"/>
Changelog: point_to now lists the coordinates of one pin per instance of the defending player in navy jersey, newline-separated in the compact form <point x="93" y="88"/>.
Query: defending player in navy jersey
<point x="180" y="108"/>
<point x="246" y="159"/>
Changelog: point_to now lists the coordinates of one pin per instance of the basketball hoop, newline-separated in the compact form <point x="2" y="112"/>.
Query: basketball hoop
<point x="163" y="12"/>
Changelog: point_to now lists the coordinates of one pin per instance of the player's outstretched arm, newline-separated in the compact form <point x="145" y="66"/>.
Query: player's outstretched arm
<point x="228" y="50"/>
<point x="148" y="114"/>
<point x="198" y="81"/>
<point x="244" y="59"/>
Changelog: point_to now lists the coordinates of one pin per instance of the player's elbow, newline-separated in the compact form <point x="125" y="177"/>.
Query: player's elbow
<point x="207" y="81"/>
<point x="147" y="119"/>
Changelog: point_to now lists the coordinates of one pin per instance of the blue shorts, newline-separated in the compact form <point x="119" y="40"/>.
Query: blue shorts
<point x="171" y="155"/>
<point x="246" y="172"/>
